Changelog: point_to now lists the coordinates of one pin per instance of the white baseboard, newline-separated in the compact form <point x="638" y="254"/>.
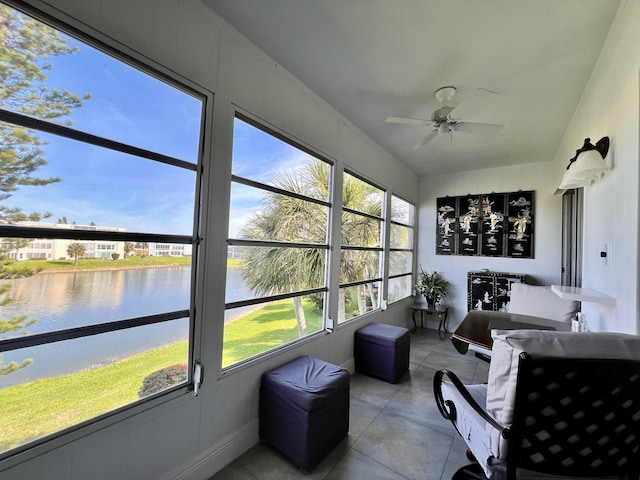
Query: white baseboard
<point x="217" y="457"/>
<point x="224" y="452"/>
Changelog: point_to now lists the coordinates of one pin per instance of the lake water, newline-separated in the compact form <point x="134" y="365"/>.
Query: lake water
<point x="72" y="299"/>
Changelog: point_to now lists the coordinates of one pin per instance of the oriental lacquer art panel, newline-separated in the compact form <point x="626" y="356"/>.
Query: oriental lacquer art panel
<point x="490" y="225"/>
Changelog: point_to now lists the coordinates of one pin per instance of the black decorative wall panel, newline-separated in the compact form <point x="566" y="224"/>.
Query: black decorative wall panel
<point x="489" y="225"/>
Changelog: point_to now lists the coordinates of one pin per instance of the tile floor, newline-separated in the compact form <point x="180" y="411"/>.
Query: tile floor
<point x="395" y="431"/>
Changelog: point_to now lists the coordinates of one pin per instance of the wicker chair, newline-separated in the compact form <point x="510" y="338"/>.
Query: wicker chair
<point x="568" y="417"/>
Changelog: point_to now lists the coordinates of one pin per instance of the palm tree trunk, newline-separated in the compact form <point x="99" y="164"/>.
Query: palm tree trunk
<point x="372" y="294"/>
<point x="362" y="299"/>
<point x="341" y="305"/>
<point x="300" y="318"/>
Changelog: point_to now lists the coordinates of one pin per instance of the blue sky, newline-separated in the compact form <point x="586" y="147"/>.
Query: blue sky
<point x="257" y="156"/>
<point x="107" y="187"/>
<point x="113" y="189"/>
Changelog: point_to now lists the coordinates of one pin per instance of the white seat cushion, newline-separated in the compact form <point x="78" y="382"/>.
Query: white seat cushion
<point x="470" y="425"/>
<point x="539" y="301"/>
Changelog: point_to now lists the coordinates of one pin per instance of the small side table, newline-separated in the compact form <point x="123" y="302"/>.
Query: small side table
<point x="442" y="312"/>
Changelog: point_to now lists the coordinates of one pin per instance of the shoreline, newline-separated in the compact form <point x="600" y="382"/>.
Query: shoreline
<point x="98" y="269"/>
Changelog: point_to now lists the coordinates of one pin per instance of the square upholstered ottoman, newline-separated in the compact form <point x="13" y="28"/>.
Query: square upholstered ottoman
<point x="382" y="351"/>
<point x="304" y="409"/>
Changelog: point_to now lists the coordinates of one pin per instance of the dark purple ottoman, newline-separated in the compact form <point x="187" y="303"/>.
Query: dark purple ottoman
<point x="382" y="351"/>
<point x="304" y="409"/>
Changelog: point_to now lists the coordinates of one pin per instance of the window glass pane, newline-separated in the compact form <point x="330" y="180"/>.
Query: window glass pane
<point x="98" y="186"/>
<point x="402" y="211"/>
<point x="255" y="269"/>
<point x="361" y="196"/>
<point x="256" y="329"/>
<point x="400" y="262"/>
<point x="115" y="101"/>
<point x="73" y="298"/>
<point x="72" y="381"/>
<point x="262" y="157"/>
<point x="358" y="300"/>
<point x="73" y="203"/>
<point x="356" y="265"/>
<point x="264" y="271"/>
<point x="360" y="231"/>
<point x="401" y="237"/>
<point x="262" y="215"/>
<point x="399" y="288"/>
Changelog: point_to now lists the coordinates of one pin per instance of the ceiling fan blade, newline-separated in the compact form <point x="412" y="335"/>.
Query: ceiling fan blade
<point x="407" y="121"/>
<point x="478" y="128"/>
<point x="477" y="101"/>
<point x="426" y="139"/>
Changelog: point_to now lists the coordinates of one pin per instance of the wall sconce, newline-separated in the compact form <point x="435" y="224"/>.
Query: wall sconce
<point x="587" y="165"/>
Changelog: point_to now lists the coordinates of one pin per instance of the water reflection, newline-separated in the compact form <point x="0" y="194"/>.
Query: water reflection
<point x="72" y="299"/>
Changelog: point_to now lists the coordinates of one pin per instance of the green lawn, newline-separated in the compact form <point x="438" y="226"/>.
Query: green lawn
<point x="91" y="264"/>
<point x="33" y="410"/>
<point x="266" y="328"/>
<point x="25" y="268"/>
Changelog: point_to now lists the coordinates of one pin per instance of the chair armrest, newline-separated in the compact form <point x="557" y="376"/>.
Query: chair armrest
<point x="448" y="409"/>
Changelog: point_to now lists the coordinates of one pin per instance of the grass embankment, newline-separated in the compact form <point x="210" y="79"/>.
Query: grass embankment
<point x="29" y="267"/>
<point x="264" y="329"/>
<point x="36" y="409"/>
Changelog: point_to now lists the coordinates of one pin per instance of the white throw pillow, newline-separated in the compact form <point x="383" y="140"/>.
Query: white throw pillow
<point x="507" y="346"/>
<point x="541" y="301"/>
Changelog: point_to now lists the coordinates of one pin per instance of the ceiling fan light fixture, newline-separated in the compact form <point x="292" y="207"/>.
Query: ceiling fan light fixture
<point x="443" y="128"/>
<point x="445" y="94"/>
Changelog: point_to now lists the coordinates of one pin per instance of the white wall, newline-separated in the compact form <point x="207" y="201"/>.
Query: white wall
<point x="610" y="107"/>
<point x="544" y="268"/>
<point x="193" y="437"/>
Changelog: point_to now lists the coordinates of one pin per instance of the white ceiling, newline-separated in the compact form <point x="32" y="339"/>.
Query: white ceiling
<point x="371" y="59"/>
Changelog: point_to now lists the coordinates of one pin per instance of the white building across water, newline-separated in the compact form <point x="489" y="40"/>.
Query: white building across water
<point x="56" y="249"/>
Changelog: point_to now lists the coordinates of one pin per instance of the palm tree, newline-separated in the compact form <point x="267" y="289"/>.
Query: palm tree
<point x="276" y="270"/>
<point x="76" y="250"/>
<point x="128" y="248"/>
<point x="359" y="231"/>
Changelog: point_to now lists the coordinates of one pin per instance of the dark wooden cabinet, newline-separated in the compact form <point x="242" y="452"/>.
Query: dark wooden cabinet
<point x="487" y="290"/>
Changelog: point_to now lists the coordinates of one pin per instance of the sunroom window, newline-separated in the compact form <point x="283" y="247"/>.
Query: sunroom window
<point x="98" y="174"/>
<point x="277" y="243"/>
<point x="401" y="234"/>
<point x="361" y="247"/>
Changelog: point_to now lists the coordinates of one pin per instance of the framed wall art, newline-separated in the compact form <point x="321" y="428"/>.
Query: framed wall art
<point x="489" y="225"/>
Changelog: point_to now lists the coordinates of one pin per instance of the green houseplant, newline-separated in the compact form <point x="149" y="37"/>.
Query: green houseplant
<point x="432" y="286"/>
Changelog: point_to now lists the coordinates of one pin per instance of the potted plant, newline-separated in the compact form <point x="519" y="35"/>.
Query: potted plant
<point x="432" y="286"/>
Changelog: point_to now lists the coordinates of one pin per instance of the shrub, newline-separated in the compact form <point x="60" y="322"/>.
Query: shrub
<point x="162" y="379"/>
<point x="19" y="271"/>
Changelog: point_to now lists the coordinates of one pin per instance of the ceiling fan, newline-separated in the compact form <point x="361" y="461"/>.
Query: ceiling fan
<point x="443" y="123"/>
